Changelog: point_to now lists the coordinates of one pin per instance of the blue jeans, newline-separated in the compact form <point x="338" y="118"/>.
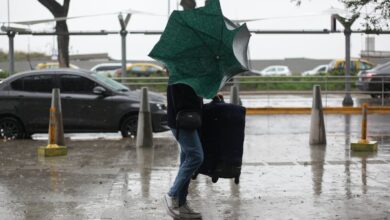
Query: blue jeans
<point x="191" y="157"/>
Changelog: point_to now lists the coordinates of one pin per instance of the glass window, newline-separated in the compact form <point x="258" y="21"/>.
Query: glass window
<point x="271" y="70"/>
<point x="17" y="85"/>
<point x="322" y="69"/>
<point x="38" y="83"/>
<point x="114" y="85"/>
<point x="76" y="84"/>
<point x="107" y="68"/>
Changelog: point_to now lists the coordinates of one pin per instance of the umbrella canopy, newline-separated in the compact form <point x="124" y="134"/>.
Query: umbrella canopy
<point x="202" y="48"/>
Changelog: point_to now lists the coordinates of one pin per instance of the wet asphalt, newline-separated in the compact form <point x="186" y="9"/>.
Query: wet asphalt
<point x="283" y="177"/>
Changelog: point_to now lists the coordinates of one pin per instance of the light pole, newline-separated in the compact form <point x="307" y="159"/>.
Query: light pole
<point x="11" y="32"/>
<point x="347" y="23"/>
<point x="123" y="33"/>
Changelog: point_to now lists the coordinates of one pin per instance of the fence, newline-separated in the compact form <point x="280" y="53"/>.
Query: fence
<point x="375" y="90"/>
<point x="293" y="91"/>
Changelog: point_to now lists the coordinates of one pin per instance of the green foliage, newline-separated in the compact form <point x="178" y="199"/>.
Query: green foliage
<point x="306" y="83"/>
<point x="3" y="74"/>
<point x="376" y="13"/>
<point x="292" y="83"/>
<point x="19" y="55"/>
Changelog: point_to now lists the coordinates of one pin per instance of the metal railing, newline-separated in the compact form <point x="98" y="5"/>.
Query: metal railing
<point x="376" y="90"/>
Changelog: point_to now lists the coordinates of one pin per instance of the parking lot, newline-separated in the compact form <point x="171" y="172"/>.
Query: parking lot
<point x="283" y="177"/>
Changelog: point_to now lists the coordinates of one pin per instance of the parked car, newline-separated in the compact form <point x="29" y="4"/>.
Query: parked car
<point x="375" y="80"/>
<point x="90" y="103"/>
<point x="276" y="71"/>
<point x="337" y="67"/>
<point x="108" y="69"/>
<point x="143" y="69"/>
<point x="52" y="65"/>
<point x="317" y="70"/>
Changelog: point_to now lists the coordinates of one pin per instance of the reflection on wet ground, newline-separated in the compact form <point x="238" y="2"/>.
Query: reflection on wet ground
<point x="299" y="100"/>
<point x="283" y="177"/>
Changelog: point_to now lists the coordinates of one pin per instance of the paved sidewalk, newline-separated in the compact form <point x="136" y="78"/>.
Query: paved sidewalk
<point x="283" y="177"/>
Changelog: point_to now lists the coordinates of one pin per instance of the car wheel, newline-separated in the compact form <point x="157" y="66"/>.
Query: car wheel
<point x="129" y="126"/>
<point x="11" y="128"/>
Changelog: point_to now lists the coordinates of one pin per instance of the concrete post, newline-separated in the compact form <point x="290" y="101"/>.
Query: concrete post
<point x="364" y="144"/>
<point x="317" y="128"/>
<point x="56" y="102"/>
<point x="144" y="129"/>
<point x="234" y="97"/>
<point x="56" y="141"/>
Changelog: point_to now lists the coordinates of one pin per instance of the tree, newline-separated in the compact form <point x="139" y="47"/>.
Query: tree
<point x="60" y="11"/>
<point x="376" y="13"/>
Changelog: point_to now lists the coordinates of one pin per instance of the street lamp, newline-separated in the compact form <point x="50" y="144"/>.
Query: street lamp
<point x="123" y="33"/>
<point x="347" y="23"/>
<point x="11" y="32"/>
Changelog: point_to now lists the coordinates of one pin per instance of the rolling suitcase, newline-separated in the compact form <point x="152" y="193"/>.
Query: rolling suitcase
<point x="222" y="137"/>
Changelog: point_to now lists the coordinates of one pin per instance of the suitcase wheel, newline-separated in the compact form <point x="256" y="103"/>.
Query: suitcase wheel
<point x="214" y="179"/>
<point x="237" y="180"/>
<point x="194" y="176"/>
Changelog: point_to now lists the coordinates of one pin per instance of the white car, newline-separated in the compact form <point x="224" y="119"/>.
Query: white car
<point x="276" y="71"/>
<point x="317" y="70"/>
<point x="107" y="69"/>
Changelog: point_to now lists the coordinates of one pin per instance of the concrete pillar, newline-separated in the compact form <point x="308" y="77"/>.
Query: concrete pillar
<point x="144" y="129"/>
<point x="56" y="102"/>
<point x="317" y="128"/>
<point x="56" y="140"/>
<point x="234" y="97"/>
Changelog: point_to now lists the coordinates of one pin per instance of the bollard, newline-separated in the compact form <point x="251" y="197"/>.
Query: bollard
<point x="234" y="97"/>
<point x="317" y="128"/>
<point x="56" y="139"/>
<point x="364" y="144"/>
<point x="144" y="128"/>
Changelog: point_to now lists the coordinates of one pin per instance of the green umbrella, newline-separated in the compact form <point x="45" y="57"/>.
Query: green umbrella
<point x="202" y="48"/>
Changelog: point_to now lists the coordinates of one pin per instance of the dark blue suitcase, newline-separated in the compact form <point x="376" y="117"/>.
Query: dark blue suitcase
<point x="222" y="136"/>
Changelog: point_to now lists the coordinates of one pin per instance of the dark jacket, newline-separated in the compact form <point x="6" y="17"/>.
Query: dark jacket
<point x="184" y="98"/>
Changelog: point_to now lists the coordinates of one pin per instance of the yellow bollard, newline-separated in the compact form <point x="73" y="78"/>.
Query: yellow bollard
<point x="55" y="129"/>
<point x="364" y="144"/>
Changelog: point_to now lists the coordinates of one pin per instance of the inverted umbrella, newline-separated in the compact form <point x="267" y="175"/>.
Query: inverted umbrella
<point x="202" y="48"/>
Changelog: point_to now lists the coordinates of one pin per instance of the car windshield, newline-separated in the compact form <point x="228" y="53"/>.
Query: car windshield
<point x="114" y="85"/>
<point x="382" y="66"/>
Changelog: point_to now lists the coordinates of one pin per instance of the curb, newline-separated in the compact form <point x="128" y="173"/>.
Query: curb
<point x="327" y="110"/>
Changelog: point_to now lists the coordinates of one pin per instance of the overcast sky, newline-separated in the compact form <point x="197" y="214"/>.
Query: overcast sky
<point x="138" y="46"/>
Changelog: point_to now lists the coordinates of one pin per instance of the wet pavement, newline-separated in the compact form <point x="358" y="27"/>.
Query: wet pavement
<point x="283" y="177"/>
<point x="305" y="100"/>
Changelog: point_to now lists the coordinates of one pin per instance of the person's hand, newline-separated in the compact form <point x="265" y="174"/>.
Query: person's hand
<point x="218" y="97"/>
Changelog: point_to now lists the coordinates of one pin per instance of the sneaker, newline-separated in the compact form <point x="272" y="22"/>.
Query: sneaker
<point x="171" y="206"/>
<point x="187" y="212"/>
